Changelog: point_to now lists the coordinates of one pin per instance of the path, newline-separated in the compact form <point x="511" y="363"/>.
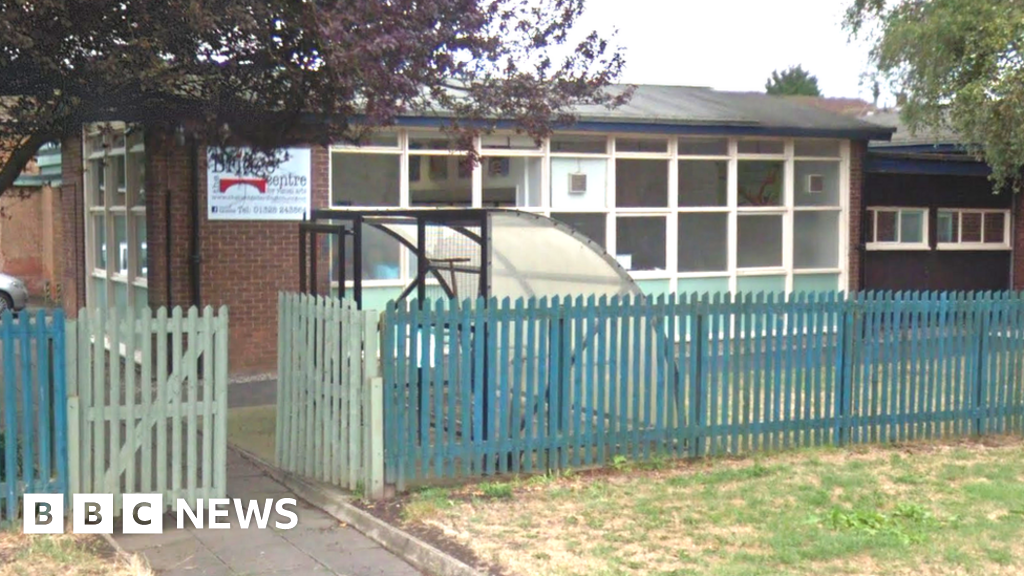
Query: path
<point x="318" y="545"/>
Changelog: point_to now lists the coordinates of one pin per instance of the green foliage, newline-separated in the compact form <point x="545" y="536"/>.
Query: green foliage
<point x="958" y="64"/>
<point x="793" y="81"/>
<point x="621" y="464"/>
<point x="904" y="523"/>
<point x="496" y="489"/>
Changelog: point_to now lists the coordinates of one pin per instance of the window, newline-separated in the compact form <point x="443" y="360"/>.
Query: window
<point x="511" y="181"/>
<point x="640" y="243"/>
<point x="703" y="242"/>
<point x="897" y="229"/>
<point x="775" y="147"/>
<point x="703" y="183"/>
<point x="761" y="183"/>
<point x="816" y="240"/>
<point x="590" y="225"/>
<point x="115" y="202"/>
<point x="703" y="147"/>
<point x="578" y="183"/>
<point x="365" y="179"/>
<point x="759" y="241"/>
<point x="965" y="229"/>
<point x="641" y="183"/>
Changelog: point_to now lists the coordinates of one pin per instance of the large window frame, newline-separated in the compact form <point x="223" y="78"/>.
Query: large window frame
<point x="873" y="243"/>
<point x="959" y="244"/>
<point x="837" y="151"/>
<point x="108" y="149"/>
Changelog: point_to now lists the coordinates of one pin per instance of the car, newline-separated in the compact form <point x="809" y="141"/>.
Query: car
<point x="13" y="294"/>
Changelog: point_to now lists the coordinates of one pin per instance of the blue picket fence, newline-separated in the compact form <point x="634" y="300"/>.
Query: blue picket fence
<point x="33" y="410"/>
<point x="487" y="387"/>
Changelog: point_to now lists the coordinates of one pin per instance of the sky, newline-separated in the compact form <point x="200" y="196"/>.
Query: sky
<point x="732" y="44"/>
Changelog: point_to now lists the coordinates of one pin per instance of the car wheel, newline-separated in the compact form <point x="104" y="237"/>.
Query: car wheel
<point x="6" y="303"/>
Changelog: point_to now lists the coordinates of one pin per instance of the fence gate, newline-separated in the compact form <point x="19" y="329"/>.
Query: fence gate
<point x="147" y="403"/>
<point x="33" y="443"/>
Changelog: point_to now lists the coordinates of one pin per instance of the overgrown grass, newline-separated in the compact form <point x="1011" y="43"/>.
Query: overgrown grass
<point x="252" y="429"/>
<point x="923" y="509"/>
<point x="44" y="555"/>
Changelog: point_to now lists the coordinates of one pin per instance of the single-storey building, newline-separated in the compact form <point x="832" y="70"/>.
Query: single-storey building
<point x="690" y="189"/>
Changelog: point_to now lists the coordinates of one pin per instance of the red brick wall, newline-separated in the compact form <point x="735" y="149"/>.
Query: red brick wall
<point x="21" y="237"/>
<point x="243" y="264"/>
<point x="73" y="226"/>
<point x="858" y="153"/>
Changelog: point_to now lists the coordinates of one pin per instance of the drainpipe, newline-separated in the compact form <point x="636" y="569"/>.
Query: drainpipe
<point x="194" y="258"/>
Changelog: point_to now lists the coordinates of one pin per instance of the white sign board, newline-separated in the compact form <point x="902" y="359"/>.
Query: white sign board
<point x="280" y="193"/>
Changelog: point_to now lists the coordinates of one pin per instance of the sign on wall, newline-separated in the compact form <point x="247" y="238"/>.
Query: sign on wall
<point x="237" y="192"/>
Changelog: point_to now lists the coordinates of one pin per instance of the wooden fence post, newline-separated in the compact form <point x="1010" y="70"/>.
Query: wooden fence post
<point x="698" y="340"/>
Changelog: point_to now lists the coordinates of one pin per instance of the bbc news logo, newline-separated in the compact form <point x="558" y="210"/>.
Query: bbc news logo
<point x="144" y="513"/>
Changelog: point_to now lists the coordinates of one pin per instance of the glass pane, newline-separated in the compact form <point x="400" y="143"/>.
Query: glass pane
<point x="641" y="243"/>
<point x="138" y="160"/>
<point x="142" y="260"/>
<point x="948" y="226"/>
<point x="98" y="185"/>
<point x="703" y="147"/>
<point x="970" y="223"/>
<point x="379" y="139"/>
<point x="817" y="148"/>
<point x="911" y="227"/>
<point x="120" y="297"/>
<point x="703" y="242"/>
<point x="590" y="225"/>
<point x="121" y="241"/>
<point x="141" y="300"/>
<point x="380" y="256"/>
<point x="99" y="293"/>
<point x="562" y="143"/>
<point x="761" y="147"/>
<point x="430" y="141"/>
<point x="761" y="183"/>
<point x="578" y="183"/>
<point x="94" y="143"/>
<point x="641" y="183"/>
<point x="365" y="179"/>
<point x="995" y="225"/>
<point x="117" y="140"/>
<point x="817" y="183"/>
<point x="816" y="240"/>
<point x="120" y="172"/>
<point x="759" y="241"/>
<point x="440" y="181"/>
<point x="99" y="230"/>
<point x="641" y="145"/>
<point x="511" y="181"/>
<point x="885" y="226"/>
<point x="509" y="142"/>
<point x="815" y="282"/>
<point x="703" y="182"/>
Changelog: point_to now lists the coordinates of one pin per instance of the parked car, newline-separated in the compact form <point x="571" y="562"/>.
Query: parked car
<point x="13" y="294"/>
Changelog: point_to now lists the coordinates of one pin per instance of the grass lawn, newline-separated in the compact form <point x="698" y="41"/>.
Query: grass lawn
<point x="252" y="429"/>
<point x="44" y="555"/>
<point x="921" y="509"/>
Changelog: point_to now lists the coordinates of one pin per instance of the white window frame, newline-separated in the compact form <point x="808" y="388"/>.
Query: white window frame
<point x="670" y="212"/>
<point x="960" y="245"/>
<point x="873" y="244"/>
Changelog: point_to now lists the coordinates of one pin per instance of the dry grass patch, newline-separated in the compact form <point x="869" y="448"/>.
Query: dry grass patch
<point x="66" y="554"/>
<point x="922" y="509"/>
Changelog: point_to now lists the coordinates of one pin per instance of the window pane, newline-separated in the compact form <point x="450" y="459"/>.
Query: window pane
<point x="816" y="240"/>
<point x="138" y="160"/>
<point x="99" y="230"/>
<point x="641" y="183"/>
<point x="641" y="145"/>
<point x="440" y="181"/>
<point x="971" y="223"/>
<point x="381" y="139"/>
<point x="911" y="227"/>
<point x="511" y="181"/>
<point x="509" y="142"/>
<point x="817" y="183"/>
<point x="761" y="147"/>
<point x="578" y="183"/>
<point x="380" y="256"/>
<point x="994" y="227"/>
<point x="121" y="242"/>
<point x="703" y="147"/>
<point x="142" y="260"/>
<point x="590" y="225"/>
<point x="365" y="179"/>
<point x="761" y="183"/>
<point x="120" y="172"/>
<point x="430" y="141"/>
<point x="948" y="227"/>
<point x="641" y="243"/>
<point x="703" y="242"/>
<point x="885" y="223"/>
<point x="703" y="183"/>
<point x="579" y="144"/>
<point x="818" y="148"/>
<point x="815" y="282"/>
<point x="759" y="241"/>
<point x="98" y="184"/>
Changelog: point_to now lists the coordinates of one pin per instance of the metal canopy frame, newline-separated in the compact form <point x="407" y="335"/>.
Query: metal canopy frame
<point x="343" y="223"/>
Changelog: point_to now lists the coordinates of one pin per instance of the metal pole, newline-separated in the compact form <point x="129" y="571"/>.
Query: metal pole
<point x="357" y="261"/>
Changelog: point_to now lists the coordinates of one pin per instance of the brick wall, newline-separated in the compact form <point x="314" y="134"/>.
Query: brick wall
<point x="1017" y="242"/>
<point x="73" y="226"/>
<point x="243" y="264"/>
<point x="858" y="153"/>
<point x="21" y="237"/>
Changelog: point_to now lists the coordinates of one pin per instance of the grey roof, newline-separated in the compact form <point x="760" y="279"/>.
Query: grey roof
<point x="903" y="136"/>
<point x="695" y="106"/>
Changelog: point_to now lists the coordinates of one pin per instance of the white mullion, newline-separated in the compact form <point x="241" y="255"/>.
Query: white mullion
<point x="788" y="218"/>
<point x="609" y="200"/>
<point x="672" y="225"/>
<point x="844" y="216"/>
<point x="732" y="203"/>
<point x="545" y="178"/>
<point x="477" y="177"/>
<point x="403" y="201"/>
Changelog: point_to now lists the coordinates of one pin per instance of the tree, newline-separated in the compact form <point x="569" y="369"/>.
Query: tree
<point x="793" y="81"/>
<point x="959" y="65"/>
<point x="278" y="72"/>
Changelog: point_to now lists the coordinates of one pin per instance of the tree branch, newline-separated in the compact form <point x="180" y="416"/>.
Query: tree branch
<point x="19" y="158"/>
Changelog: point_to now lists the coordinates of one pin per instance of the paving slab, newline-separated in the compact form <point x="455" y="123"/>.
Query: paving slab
<point x="319" y="544"/>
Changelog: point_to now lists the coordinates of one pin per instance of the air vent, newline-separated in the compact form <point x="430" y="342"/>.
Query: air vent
<point x="815" y="183"/>
<point x="577" y="183"/>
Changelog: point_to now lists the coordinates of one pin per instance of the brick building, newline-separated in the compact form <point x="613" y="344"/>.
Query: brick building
<point x="688" y="188"/>
<point x="30" y="225"/>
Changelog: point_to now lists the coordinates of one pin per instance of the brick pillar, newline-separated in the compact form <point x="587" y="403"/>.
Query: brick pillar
<point x="1017" y="240"/>
<point x="858" y="154"/>
<point x="72" y="215"/>
<point x="167" y="220"/>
